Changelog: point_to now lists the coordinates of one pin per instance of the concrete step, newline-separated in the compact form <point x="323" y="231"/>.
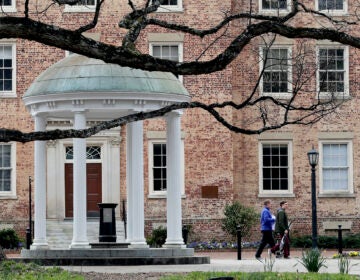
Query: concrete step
<point x="60" y="233"/>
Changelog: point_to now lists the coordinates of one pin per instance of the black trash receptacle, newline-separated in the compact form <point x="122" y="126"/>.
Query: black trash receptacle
<point x="107" y="228"/>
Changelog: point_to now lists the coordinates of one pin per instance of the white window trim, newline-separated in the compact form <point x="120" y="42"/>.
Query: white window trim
<point x="290" y="171"/>
<point x="275" y="11"/>
<point x="80" y="8"/>
<point x="350" y="189"/>
<point x="180" y="48"/>
<point x="171" y="8"/>
<point x="162" y="194"/>
<point x="342" y="12"/>
<point x="12" y="93"/>
<point x="9" y="9"/>
<point x="341" y="95"/>
<point x="278" y="95"/>
<point x="12" y="193"/>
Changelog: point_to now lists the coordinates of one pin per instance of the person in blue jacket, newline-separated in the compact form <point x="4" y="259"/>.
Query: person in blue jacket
<point x="267" y="221"/>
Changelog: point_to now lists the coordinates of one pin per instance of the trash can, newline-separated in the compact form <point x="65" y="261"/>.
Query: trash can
<point x="107" y="228"/>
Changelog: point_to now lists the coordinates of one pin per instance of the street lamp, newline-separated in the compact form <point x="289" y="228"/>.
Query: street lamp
<point x="313" y="156"/>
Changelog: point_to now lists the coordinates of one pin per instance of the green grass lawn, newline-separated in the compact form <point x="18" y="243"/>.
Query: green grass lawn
<point x="10" y="270"/>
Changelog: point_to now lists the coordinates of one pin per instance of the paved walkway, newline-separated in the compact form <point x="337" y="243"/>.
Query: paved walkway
<point x="227" y="261"/>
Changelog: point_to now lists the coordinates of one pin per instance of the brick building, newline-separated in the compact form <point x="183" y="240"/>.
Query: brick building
<point x="218" y="166"/>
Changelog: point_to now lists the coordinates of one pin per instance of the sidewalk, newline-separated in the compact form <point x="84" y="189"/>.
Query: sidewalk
<point x="226" y="261"/>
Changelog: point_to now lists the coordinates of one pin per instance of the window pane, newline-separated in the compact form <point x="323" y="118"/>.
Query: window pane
<point x="331" y="4"/>
<point x="335" y="167"/>
<point x="6" y="2"/>
<point x="5" y="167"/>
<point x="331" y="70"/>
<point x="276" y="67"/>
<point x="157" y="149"/>
<point x="274" y="4"/>
<point x="159" y="164"/>
<point x="6" y="80"/>
<point x="5" y="156"/>
<point x="157" y="185"/>
<point x="86" y="3"/>
<point x="168" y="2"/>
<point x="275" y="166"/>
<point x="170" y="52"/>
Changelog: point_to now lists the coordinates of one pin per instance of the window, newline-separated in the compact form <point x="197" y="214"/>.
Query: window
<point x="170" y="51"/>
<point x="7" y="70"/>
<point x="332" y="6"/>
<point x="276" y="66"/>
<point x="7" y="170"/>
<point x="275" y="167"/>
<point x="8" y="6"/>
<point x="332" y="76"/>
<point x="170" y="6"/>
<point x="336" y="166"/>
<point x="158" y="168"/>
<point x="83" y="6"/>
<point x="92" y="153"/>
<point x="274" y="5"/>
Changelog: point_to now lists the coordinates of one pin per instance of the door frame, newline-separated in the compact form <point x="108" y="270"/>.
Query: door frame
<point x="110" y="148"/>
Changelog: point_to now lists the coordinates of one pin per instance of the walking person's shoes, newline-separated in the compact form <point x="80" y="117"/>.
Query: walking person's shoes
<point x="260" y="259"/>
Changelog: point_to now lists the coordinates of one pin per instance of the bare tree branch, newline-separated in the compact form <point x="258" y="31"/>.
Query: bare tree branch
<point x="95" y="19"/>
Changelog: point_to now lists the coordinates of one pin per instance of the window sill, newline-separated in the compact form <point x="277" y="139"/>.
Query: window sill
<point x="263" y="195"/>
<point x="12" y="197"/>
<point x="79" y="10"/>
<point x="170" y="10"/>
<point x="278" y="95"/>
<point x="337" y="96"/>
<point x="8" y="95"/>
<point x="336" y="195"/>
<point x="161" y="196"/>
<point x="334" y="13"/>
<point x="274" y="12"/>
<point x="5" y="10"/>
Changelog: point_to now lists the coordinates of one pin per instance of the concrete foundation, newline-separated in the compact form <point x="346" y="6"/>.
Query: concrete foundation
<point x="114" y="256"/>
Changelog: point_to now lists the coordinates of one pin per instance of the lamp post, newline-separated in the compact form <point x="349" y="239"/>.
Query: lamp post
<point x="313" y="156"/>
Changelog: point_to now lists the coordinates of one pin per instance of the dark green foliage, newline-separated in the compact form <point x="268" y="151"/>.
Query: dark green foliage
<point x="9" y="238"/>
<point x="351" y="241"/>
<point x="329" y="242"/>
<point x="237" y="214"/>
<point x="301" y="241"/>
<point x="158" y="237"/>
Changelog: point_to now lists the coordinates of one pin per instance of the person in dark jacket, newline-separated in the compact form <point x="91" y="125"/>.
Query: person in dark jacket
<point x="267" y="221"/>
<point x="281" y="229"/>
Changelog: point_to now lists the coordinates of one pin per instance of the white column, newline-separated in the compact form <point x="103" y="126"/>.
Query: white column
<point x="40" y="241"/>
<point x="79" y="188"/>
<point x="135" y="172"/>
<point x="129" y="189"/>
<point x="173" y="186"/>
<point x="52" y="173"/>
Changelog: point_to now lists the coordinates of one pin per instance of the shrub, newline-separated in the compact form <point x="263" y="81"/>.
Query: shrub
<point x="9" y="239"/>
<point x="349" y="241"/>
<point x="237" y="214"/>
<point x="158" y="237"/>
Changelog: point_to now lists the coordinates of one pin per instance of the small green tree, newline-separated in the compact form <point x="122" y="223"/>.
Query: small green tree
<point x="237" y="214"/>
